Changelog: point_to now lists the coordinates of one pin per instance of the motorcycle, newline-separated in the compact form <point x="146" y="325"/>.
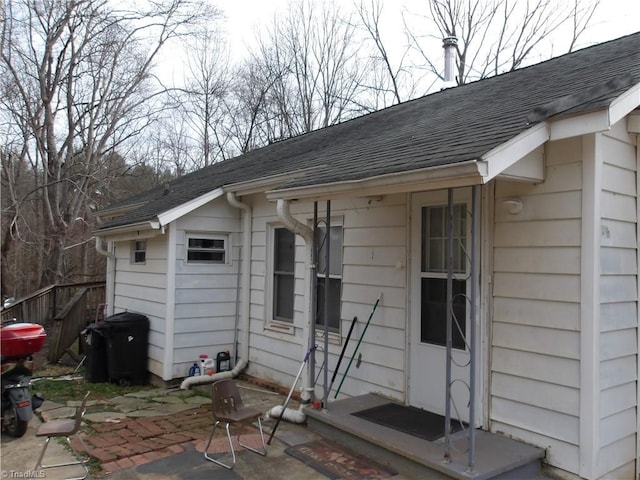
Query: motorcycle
<point x="18" y="343"/>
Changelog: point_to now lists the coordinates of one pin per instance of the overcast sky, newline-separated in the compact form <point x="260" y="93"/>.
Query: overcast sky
<point x="613" y="19"/>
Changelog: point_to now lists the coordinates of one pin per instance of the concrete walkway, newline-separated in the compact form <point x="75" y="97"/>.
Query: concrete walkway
<point x="161" y="434"/>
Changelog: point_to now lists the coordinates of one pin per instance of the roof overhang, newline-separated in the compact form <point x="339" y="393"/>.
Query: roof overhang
<point x="134" y="231"/>
<point x="118" y="211"/>
<point x="165" y="218"/>
<point x="433" y="178"/>
<point x="594" y="121"/>
<point x="518" y="159"/>
<point x="266" y="183"/>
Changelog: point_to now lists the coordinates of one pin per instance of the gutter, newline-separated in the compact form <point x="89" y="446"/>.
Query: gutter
<point x="101" y="250"/>
<point x="465" y="173"/>
<point x="152" y="225"/>
<point x="242" y="324"/>
<point x="110" y="287"/>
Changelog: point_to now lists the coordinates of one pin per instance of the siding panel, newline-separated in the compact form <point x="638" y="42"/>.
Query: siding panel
<point x="535" y="356"/>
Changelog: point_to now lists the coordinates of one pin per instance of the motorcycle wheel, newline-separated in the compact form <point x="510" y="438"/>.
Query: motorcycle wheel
<point x="13" y="425"/>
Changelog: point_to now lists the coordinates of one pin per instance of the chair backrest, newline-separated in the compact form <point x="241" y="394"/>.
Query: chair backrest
<point x="225" y="397"/>
<point x="80" y="413"/>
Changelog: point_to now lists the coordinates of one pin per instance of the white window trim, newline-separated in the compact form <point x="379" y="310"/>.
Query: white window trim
<point x="272" y="323"/>
<point x="133" y="251"/>
<point x="208" y="236"/>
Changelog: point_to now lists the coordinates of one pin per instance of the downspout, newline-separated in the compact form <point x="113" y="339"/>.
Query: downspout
<point x="299" y="228"/>
<point x="243" y="324"/>
<point x="111" y="274"/>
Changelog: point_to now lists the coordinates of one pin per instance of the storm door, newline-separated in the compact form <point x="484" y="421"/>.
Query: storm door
<point x="431" y="287"/>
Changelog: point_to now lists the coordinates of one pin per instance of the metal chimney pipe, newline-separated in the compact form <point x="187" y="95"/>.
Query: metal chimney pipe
<point x="449" y="44"/>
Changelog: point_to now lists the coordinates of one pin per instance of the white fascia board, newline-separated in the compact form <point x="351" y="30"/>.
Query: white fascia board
<point x="165" y="218"/>
<point x="134" y="231"/>
<point x="433" y="178"/>
<point x="507" y="154"/>
<point x="584" y="124"/>
<point x="624" y="104"/>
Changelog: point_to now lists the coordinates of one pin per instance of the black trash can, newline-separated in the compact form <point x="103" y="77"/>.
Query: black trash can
<point x="95" y="349"/>
<point x="127" y="338"/>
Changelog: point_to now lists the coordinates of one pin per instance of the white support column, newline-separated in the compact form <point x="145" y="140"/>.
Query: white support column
<point x="590" y="307"/>
<point x="170" y="307"/>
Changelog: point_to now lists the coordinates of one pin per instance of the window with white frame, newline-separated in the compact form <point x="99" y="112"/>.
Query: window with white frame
<point x="284" y="244"/>
<point x="138" y="251"/>
<point x="207" y="249"/>
<point x="334" y="286"/>
<point x="434" y="275"/>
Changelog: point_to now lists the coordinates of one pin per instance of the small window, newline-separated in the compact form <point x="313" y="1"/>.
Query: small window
<point x="334" y="288"/>
<point x="139" y="251"/>
<point x="284" y="244"/>
<point x="207" y="249"/>
<point x="434" y="275"/>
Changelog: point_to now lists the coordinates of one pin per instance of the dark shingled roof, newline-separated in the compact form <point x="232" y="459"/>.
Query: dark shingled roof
<point x="453" y="125"/>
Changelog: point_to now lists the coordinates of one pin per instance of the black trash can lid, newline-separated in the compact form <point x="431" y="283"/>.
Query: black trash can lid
<point x="127" y="319"/>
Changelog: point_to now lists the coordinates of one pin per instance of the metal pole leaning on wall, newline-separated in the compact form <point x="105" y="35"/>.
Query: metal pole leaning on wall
<point x="308" y="355"/>
<point x="344" y="349"/>
<point x="358" y="345"/>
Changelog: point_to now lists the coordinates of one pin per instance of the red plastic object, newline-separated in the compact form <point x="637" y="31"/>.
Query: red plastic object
<point x="21" y="339"/>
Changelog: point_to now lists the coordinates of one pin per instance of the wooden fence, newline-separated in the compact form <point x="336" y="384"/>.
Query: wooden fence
<point x="63" y="310"/>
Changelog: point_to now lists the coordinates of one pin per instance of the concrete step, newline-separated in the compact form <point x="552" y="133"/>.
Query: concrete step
<point x="496" y="457"/>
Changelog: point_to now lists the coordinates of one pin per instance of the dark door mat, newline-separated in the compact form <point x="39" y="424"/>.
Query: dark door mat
<point x="411" y="420"/>
<point x="335" y="461"/>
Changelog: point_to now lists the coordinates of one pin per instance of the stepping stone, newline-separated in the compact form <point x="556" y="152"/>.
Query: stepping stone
<point x="198" y="400"/>
<point x="105" y="417"/>
<point x="55" y="413"/>
<point x="156" y="392"/>
<point x="169" y="399"/>
<point x="129" y="404"/>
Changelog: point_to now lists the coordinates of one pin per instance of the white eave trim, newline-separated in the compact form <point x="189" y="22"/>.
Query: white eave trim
<point x="165" y="218"/>
<point x="507" y="154"/>
<point x="598" y="120"/>
<point x="624" y="104"/>
<point x="432" y="178"/>
<point x="132" y="231"/>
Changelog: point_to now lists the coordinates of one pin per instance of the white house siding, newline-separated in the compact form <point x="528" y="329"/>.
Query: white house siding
<point x="205" y="294"/>
<point x="142" y="289"/>
<point x="374" y="262"/>
<point x="618" y="310"/>
<point x="535" y="357"/>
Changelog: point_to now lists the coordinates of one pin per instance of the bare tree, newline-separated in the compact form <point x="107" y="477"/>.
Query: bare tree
<point x="201" y="100"/>
<point x="308" y="71"/>
<point x="76" y="80"/>
<point x="390" y="76"/>
<point x="496" y="36"/>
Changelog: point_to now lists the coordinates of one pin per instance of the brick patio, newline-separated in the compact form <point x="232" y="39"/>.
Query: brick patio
<point x="134" y="441"/>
